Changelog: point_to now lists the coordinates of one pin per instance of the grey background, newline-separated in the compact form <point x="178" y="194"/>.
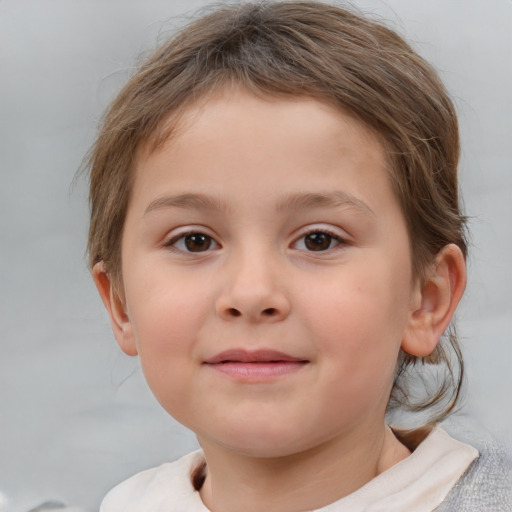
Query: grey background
<point x="75" y="414"/>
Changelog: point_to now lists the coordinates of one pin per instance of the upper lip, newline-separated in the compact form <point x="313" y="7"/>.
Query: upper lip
<point x="251" y="356"/>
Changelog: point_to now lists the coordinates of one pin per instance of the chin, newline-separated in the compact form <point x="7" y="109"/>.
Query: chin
<point x="269" y="442"/>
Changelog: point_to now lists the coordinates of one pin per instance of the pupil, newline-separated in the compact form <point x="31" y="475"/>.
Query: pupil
<point x="197" y="242"/>
<point x="318" y="241"/>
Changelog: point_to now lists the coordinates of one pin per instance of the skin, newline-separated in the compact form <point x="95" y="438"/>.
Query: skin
<point x="261" y="180"/>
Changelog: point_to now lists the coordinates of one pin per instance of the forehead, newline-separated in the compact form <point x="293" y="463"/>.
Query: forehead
<point x="214" y="98"/>
<point x="235" y="122"/>
<point x="253" y="154"/>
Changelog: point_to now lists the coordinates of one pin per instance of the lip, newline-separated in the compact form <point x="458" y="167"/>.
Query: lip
<point x="252" y="356"/>
<point x="255" y="366"/>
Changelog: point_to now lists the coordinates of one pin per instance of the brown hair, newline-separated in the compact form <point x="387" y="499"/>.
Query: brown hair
<point x="299" y="48"/>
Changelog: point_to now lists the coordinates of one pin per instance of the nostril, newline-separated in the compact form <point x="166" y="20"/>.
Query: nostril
<point x="234" y="312"/>
<point x="270" y="311"/>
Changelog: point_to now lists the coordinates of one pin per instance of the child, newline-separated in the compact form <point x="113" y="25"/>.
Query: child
<point x="275" y="231"/>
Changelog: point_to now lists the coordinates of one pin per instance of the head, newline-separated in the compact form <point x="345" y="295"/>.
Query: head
<point x="291" y="50"/>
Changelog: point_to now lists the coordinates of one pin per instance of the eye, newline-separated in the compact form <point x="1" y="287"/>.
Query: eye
<point x="193" y="242"/>
<point x="317" y="241"/>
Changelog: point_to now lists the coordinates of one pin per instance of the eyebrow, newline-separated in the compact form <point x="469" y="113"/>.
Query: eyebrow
<point x="186" y="201"/>
<point x="334" y="199"/>
<point x="296" y="202"/>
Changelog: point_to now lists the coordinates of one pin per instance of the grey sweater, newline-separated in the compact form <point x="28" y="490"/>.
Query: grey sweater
<point x="487" y="484"/>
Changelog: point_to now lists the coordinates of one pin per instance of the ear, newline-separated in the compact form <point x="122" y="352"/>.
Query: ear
<point x="435" y="302"/>
<point x="115" y="305"/>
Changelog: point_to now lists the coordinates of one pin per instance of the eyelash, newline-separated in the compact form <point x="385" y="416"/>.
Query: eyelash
<point x="171" y="244"/>
<point x="333" y="237"/>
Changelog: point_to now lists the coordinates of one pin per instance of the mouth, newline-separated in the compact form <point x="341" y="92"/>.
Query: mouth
<point x="259" y="365"/>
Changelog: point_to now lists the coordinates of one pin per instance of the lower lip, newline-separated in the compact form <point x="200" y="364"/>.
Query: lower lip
<point x="260" y="371"/>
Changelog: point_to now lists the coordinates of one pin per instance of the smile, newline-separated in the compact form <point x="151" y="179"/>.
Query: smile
<point x="257" y="365"/>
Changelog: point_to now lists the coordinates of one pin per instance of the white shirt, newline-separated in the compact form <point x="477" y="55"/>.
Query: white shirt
<point x="418" y="483"/>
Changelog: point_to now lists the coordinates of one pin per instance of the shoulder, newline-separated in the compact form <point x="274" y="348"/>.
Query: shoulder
<point x="486" y="486"/>
<point x="154" y="489"/>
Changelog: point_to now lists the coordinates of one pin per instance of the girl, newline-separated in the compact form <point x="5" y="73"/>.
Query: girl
<point x="276" y="233"/>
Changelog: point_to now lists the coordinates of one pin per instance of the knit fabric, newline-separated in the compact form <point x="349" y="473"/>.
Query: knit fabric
<point x="487" y="484"/>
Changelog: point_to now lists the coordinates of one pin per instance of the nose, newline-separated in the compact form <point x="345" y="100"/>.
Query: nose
<point x="253" y="290"/>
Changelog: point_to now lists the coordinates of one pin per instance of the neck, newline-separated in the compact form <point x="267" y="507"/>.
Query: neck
<point x="298" y="482"/>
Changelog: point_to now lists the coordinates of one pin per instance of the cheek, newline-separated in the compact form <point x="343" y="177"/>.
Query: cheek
<point x="360" y="319"/>
<point x="163" y="307"/>
<point x="352" y="307"/>
<point x="162" y="320"/>
<point x="166" y="316"/>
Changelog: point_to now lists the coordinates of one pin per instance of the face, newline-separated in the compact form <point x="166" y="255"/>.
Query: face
<point x="266" y="274"/>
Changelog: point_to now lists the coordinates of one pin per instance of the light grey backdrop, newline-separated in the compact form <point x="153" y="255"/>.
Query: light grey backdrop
<point x="76" y="416"/>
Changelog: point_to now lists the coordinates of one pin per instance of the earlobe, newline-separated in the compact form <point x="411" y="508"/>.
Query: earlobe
<point x="436" y="302"/>
<point x="115" y="306"/>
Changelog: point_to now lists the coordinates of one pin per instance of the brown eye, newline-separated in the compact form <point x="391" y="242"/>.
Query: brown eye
<point x="192" y="242"/>
<point x="318" y="241"/>
<point x="197" y="242"/>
